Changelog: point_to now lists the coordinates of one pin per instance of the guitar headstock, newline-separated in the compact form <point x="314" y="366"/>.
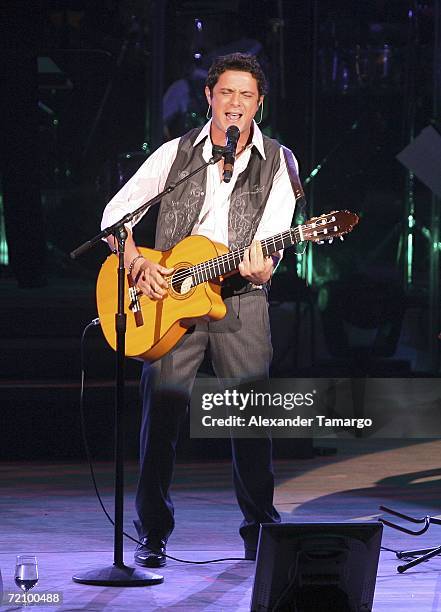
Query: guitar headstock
<point x="329" y="226"/>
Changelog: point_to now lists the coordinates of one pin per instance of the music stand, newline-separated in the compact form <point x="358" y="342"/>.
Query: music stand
<point x="422" y="157"/>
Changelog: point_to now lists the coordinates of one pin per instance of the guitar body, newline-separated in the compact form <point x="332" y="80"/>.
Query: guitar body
<point x="164" y="322"/>
<point x="194" y="289"/>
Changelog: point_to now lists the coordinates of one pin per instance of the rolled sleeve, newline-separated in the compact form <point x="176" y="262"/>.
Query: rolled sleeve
<point x="147" y="182"/>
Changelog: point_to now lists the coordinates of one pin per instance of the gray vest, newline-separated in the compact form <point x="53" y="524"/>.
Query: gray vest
<point x="179" y="210"/>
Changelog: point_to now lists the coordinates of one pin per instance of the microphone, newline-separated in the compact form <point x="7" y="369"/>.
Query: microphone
<point x="233" y="134"/>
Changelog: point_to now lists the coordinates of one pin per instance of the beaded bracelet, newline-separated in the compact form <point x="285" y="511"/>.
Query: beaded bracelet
<point x="132" y="263"/>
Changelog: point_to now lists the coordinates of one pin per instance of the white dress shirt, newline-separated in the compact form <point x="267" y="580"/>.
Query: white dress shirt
<point x="151" y="177"/>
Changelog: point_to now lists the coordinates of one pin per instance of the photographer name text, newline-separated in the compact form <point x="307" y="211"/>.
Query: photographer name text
<point x="297" y="421"/>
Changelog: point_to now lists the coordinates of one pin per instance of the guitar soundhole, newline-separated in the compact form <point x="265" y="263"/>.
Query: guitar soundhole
<point x="182" y="283"/>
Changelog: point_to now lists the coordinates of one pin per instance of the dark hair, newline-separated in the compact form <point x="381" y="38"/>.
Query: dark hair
<point x="237" y="61"/>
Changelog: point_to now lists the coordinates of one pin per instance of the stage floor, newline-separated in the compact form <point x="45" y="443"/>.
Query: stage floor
<point x="50" y="510"/>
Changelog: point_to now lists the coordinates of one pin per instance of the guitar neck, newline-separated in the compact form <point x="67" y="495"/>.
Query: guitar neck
<point x="229" y="262"/>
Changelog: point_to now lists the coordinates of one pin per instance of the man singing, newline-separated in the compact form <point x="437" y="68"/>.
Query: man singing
<point x="256" y="203"/>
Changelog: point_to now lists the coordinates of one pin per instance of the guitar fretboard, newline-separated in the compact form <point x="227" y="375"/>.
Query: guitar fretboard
<point x="229" y="262"/>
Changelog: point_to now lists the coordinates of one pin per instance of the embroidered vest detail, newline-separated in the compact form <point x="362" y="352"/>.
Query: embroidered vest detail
<point x="179" y="210"/>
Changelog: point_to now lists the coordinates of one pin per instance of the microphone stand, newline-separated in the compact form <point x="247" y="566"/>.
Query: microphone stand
<point x="119" y="574"/>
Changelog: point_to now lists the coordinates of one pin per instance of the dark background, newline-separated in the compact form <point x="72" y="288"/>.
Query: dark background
<point x="351" y="85"/>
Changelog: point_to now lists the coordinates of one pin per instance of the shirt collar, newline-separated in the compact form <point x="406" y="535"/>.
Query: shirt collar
<point x="257" y="140"/>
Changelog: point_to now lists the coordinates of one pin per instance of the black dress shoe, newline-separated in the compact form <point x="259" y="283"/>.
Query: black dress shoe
<point x="151" y="553"/>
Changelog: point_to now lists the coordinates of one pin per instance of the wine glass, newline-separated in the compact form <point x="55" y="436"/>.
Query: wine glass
<point x="26" y="574"/>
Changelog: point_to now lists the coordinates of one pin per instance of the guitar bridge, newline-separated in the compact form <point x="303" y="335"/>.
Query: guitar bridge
<point x="134" y="303"/>
<point x="134" y="300"/>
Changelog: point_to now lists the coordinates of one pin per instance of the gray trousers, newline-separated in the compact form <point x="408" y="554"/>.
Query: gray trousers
<point x="240" y="347"/>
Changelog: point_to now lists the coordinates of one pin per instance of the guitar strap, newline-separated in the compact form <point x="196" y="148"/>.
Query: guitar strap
<point x="299" y="194"/>
<point x="296" y="185"/>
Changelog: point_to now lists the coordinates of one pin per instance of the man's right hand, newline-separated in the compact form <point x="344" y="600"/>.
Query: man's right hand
<point x="151" y="279"/>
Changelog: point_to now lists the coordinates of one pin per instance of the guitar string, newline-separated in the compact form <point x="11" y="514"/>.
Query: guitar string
<point x="211" y="265"/>
<point x="214" y="264"/>
<point x="230" y="257"/>
<point x="203" y="267"/>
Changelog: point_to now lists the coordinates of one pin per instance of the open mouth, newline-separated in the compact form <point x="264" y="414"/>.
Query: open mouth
<point x="233" y="117"/>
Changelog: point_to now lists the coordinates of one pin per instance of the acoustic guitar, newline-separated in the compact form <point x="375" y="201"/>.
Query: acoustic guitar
<point x="194" y="287"/>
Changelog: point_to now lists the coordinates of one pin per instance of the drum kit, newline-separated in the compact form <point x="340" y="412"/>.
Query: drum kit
<point x="376" y="63"/>
<point x="348" y="71"/>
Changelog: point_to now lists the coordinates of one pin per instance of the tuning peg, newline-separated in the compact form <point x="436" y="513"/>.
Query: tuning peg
<point x="341" y="238"/>
<point x="330" y="240"/>
<point x="320" y="242"/>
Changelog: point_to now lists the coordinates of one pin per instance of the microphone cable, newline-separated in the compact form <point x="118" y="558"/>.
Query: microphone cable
<point x="89" y="326"/>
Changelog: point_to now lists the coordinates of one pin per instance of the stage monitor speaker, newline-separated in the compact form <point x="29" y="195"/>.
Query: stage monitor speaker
<point x="316" y="567"/>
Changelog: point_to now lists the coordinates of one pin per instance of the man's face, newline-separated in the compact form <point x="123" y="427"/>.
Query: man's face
<point x="234" y="101"/>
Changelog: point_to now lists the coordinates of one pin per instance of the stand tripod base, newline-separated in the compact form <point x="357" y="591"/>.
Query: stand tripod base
<point x="118" y="575"/>
<point x="426" y="554"/>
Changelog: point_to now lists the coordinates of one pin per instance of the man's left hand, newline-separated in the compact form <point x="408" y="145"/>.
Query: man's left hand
<point x="255" y="267"/>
